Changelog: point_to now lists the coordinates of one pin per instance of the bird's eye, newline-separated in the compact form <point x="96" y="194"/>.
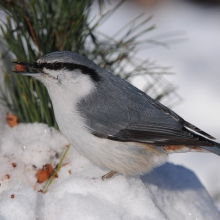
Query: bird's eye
<point x="57" y="66"/>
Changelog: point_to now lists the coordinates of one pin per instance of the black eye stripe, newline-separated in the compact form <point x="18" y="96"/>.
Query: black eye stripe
<point x="70" y="66"/>
<point x="57" y="66"/>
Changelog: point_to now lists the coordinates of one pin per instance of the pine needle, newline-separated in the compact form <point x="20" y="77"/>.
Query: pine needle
<point x="50" y="180"/>
<point x="26" y="35"/>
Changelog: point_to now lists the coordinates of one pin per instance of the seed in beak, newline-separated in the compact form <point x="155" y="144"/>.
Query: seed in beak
<point x="19" y="68"/>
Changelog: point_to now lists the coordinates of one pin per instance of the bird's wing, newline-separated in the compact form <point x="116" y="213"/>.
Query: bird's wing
<point x="119" y="111"/>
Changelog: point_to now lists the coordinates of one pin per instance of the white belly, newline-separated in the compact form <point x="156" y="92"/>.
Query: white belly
<point x="124" y="157"/>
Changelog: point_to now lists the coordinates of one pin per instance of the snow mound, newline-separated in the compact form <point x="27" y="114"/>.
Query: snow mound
<point x="167" y="193"/>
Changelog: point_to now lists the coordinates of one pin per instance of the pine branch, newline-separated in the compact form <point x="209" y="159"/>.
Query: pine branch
<point x="34" y="28"/>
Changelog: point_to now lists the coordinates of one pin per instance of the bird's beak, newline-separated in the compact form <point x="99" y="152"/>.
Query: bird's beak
<point x="31" y="66"/>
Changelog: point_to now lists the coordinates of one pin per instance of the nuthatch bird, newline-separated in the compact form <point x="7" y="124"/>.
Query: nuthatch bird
<point x="111" y="122"/>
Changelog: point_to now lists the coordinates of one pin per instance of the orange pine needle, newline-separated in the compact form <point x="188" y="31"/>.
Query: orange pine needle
<point x="44" y="173"/>
<point x="11" y="120"/>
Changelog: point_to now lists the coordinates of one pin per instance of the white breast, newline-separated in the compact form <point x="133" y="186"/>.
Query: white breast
<point x="126" y="158"/>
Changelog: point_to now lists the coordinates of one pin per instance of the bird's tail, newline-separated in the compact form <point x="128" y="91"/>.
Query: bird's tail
<point x="214" y="149"/>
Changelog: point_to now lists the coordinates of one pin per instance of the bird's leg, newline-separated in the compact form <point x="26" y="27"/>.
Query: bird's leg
<point x="108" y="175"/>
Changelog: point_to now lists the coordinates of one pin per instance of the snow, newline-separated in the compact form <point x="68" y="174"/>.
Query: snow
<point x="169" y="192"/>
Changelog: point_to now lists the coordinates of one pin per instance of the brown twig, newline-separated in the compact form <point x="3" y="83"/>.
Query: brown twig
<point x="31" y="31"/>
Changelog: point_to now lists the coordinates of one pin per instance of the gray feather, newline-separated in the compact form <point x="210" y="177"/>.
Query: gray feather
<point x="119" y="111"/>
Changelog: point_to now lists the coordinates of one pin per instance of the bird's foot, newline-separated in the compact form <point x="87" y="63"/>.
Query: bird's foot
<point x="108" y="175"/>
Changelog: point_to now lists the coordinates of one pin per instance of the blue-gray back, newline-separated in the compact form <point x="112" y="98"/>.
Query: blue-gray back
<point x="119" y="111"/>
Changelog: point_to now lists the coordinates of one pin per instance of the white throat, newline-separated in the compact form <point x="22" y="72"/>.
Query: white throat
<point x="65" y="97"/>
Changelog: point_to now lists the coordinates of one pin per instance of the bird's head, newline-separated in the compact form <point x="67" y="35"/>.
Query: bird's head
<point x="62" y="68"/>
